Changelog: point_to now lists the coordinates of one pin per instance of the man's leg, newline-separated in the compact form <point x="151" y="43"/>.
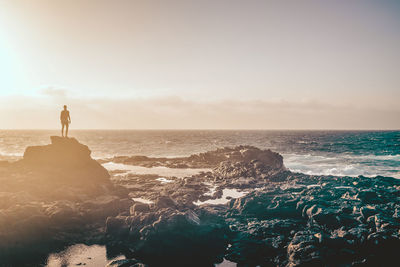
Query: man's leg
<point x="62" y="129"/>
<point x="66" y="129"/>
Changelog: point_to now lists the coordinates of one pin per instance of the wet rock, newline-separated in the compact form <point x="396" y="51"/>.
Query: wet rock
<point x="168" y="235"/>
<point x="165" y="202"/>
<point x="139" y="207"/>
<point x="327" y="219"/>
<point x="101" y="207"/>
<point x="368" y="196"/>
<point x="62" y="212"/>
<point x="117" y="226"/>
<point x="303" y="249"/>
<point x="125" y="263"/>
<point x="368" y="211"/>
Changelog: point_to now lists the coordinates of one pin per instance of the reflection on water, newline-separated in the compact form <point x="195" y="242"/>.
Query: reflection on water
<point x="80" y="255"/>
<point x="226" y="263"/>
<point x="93" y="256"/>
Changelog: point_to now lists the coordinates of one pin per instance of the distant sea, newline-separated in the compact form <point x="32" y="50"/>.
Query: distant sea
<point x="341" y="153"/>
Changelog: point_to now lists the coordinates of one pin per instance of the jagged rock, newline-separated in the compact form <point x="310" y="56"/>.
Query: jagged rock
<point x="165" y="234"/>
<point x="62" y="212"/>
<point x="368" y="196"/>
<point x="117" y="226"/>
<point x="139" y="207"/>
<point x="303" y="250"/>
<point x="262" y="159"/>
<point x="165" y="202"/>
<point x="368" y="211"/>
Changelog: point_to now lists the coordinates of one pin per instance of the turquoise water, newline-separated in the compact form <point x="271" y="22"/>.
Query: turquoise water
<point x="351" y="153"/>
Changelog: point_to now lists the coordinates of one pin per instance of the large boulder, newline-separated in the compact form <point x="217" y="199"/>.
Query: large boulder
<point x="65" y="159"/>
<point x="248" y="161"/>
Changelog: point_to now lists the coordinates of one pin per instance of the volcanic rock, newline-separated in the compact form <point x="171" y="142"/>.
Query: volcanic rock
<point x="56" y="195"/>
<point x="66" y="160"/>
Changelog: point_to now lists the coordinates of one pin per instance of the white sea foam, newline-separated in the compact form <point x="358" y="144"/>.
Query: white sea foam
<point x="142" y="200"/>
<point x="164" y="180"/>
<point x="162" y="171"/>
<point x="344" y="165"/>
<point x="380" y="157"/>
<point x="5" y="154"/>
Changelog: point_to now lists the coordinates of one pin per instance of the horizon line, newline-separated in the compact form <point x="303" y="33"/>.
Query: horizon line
<point x="193" y="129"/>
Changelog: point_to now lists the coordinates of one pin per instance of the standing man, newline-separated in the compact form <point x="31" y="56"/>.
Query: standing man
<point x="65" y="121"/>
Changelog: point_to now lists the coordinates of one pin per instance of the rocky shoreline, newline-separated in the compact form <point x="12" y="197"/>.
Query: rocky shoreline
<point x="58" y="195"/>
<point x="55" y="196"/>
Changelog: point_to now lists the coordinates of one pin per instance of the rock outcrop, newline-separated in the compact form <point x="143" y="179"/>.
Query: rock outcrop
<point x="286" y="219"/>
<point x="317" y="221"/>
<point x="167" y="233"/>
<point x="68" y="160"/>
<point x="56" y="195"/>
<point x="210" y="159"/>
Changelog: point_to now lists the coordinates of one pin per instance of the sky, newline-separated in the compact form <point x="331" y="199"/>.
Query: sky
<point x="218" y="64"/>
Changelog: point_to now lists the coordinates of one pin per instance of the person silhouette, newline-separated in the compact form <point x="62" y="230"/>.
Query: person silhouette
<point x="65" y="121"/>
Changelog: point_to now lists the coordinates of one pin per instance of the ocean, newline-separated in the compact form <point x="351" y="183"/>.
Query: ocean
<point x="340" y="153"/>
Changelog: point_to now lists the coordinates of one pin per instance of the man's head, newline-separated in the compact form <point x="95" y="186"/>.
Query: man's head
<point x="65" y="107"/>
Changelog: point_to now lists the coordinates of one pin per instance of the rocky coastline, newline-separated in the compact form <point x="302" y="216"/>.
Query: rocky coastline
<point x="57" y="195"/>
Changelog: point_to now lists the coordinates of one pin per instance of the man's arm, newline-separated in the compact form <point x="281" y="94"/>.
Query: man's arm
<point x="69" y="118"/>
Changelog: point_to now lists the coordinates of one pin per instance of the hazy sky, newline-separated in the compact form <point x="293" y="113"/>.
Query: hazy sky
<point x="200" y="64"/>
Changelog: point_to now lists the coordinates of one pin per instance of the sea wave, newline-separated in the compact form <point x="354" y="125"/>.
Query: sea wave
<point x="341" y="165"/>
<point x="382" y="157"/>
<point x="344" y="165"/>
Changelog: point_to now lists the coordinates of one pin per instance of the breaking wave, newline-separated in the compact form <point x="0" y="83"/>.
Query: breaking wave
<point x="344" y="165"/>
